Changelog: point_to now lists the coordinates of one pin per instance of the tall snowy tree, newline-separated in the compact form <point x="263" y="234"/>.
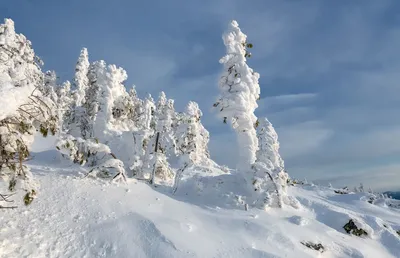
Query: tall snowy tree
<point x="81" y="80"/>
<point x="239" y="92"/>
<point x="80" y="86"/>
<point x="90" y="104"/>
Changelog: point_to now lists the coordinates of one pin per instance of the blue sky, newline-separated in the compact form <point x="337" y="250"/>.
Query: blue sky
<point x="330" y="70"/>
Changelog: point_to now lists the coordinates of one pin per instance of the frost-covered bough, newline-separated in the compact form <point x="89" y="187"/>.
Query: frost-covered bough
<point x="80" y="86"/>
<point x="27" y="106"/>
<point x="102" y="162"/>
<point x="270" y="180"/>
<point x="239" y="92"/>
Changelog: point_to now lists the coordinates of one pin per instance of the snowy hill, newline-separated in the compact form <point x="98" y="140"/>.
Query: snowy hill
<point x="85" y="217"/>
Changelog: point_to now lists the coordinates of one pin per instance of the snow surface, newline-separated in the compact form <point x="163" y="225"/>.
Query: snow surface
<point x="82" y="217"/>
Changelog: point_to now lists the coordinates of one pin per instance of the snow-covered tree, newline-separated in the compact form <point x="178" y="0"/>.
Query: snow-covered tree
<point x="107" y="87"/>
<point x="136" y="112"/>
<point x="192" y="138"/>
<point x="271" y="180"/>
<point x="80" y="86"/>
<point x="268" y="150"/>
<point x="50" y="86"/>
<point x="64" y="103"/>
<point x="124" y="112"/>
<point x="26" y="106"/>
<point x="164" y="118"/>
<point x="145" y="130"/>
<point x="239" y="92"/>
<point x="81" y="80"/>
<point x="90" y="104"/>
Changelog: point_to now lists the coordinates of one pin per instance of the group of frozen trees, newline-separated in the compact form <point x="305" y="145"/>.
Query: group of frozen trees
<point x="116" y="134"/>
<point x="98" y="110"/>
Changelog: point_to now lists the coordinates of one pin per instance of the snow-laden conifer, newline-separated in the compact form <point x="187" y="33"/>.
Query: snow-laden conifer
<point x="271" y="179"/>
<point x="81" y="80"/>
<point x="64" y="103"/>
<point x="145" y="131"/>
<point x="164" y="118"/>
<point x="80" y="86"/>
<point x="239" y="92"/>
<point x="110" y="81"/>
<point x="191" y="141"/>
<point x="192" y="138"/>
<point x="50" y="86"/>
<point x="105" y="87"/>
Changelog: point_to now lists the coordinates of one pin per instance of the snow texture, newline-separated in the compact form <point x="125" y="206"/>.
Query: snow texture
<point x="102" y="219"/>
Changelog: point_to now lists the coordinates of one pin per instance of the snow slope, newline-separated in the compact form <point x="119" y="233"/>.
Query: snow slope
<point x="84" y="217"/>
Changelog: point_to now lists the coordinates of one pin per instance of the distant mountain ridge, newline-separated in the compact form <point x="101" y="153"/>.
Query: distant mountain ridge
<point x="394" y="195"/>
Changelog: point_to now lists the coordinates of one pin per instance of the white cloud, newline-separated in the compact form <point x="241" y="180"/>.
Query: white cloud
<point x="378" y="178"/>
<point x="302" y="139"/>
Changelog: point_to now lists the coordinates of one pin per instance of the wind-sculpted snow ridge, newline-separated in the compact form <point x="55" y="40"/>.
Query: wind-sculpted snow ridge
<point x="82" y="217"/>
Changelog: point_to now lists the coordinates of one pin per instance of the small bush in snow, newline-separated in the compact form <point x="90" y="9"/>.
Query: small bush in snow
<point x="317" y="247"/>
<point x="344" y="190"/>
<point x="351" y="228"/>
<point x="29" y="196"/>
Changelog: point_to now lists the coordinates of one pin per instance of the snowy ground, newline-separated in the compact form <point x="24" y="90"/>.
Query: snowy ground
<point x="75" y="217"/>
